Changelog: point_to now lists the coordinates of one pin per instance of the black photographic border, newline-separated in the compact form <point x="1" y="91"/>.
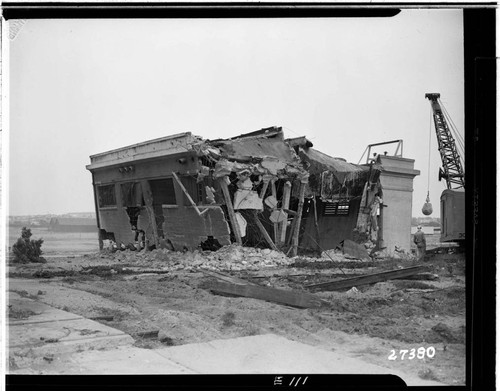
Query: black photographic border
<point x="480" y="146"/>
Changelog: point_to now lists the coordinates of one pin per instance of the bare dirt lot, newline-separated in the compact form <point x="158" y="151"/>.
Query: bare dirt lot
<point x="170" y="293"/>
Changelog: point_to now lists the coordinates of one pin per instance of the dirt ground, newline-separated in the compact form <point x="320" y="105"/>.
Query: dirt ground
<point x="162" y="292"/>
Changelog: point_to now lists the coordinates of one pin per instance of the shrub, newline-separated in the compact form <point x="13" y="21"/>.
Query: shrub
<point x="228" y="319"/>
<point x="27" y="250"/>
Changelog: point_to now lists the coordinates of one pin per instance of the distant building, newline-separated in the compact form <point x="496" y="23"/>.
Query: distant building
<point x="62" y="224"/>
<point x="427" y="230"/>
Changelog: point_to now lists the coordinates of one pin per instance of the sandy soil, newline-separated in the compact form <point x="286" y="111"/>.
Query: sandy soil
<point x="367" y="323"/>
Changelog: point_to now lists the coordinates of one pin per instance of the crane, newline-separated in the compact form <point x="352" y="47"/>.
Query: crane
<point x="452" y="170"/>
<point x="453" y="198"/>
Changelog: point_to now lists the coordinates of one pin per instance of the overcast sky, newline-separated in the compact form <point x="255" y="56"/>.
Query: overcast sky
<point x="80" y="87"/>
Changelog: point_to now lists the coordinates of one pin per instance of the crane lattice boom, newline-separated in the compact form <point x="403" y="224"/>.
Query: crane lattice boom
<point x="452" y="169"/>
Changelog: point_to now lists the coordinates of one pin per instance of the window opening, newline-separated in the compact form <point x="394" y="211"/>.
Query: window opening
<point x="132" y="194"/>
<point x="339" y="208"/>
<point x="163" y="191"/>
<point x="106" y="195"/>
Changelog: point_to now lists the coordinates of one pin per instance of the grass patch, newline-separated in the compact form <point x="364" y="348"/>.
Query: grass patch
<point x="20" y="314"/>
<point x="249" y="330"/>
<point x="53" y="273"/>
<point x="228" y="319"/>
<point x="24" y="293"/>
<point x="427" y="374"/>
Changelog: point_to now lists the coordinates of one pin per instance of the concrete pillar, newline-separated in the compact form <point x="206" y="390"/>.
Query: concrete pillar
<point x="396" y="179"/>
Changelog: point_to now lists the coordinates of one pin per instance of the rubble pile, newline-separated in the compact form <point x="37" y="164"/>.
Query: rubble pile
<point x="232" y="257"/>
<point x="333" y="255"/>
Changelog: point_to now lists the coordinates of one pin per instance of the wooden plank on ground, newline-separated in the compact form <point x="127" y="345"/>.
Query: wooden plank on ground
<point x="291" y="298"/>
<point x="367" y="279"/>
<point x="136" y="270"/>
<point x="226" y="277"/>
<point x="423" y="276"/>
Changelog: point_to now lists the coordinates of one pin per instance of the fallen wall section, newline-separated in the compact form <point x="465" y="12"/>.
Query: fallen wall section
<point x="186" y="229"/>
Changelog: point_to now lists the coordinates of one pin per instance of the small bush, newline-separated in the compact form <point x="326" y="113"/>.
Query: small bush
<point x="228" y="319"/>
<point x="27" y="250"/>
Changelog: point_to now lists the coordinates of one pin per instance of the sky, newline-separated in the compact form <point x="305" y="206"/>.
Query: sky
<point x="81" y="87"/>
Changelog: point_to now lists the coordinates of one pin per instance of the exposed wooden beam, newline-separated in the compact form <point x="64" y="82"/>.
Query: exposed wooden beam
<point x="316" y="226"/>
<point x="367" y="279"/>
<point x="273" y="192"/>
<point x="290" y="212"/>
<point x="230" y="210"/>
<point x="266" y="179"/>
<point x="285" y="204"/>
<point x="296" y="232"/>
<point x="187" y="195"/>
<point x="263" y="231"/>
<point x="291" y="298"/>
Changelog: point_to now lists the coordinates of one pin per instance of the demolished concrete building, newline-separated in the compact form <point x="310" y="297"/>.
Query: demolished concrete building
<point x="257" y="189"/>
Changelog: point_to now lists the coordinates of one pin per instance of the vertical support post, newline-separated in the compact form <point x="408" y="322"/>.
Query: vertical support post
<point x="380" y="232"/>
<point x="274" y="193"/>
<point x="295" y="240"/>
<point x="263" y="231"/>
<point x="148" y="199"/>
<point x="316" y="226"/>
<point x="285" y="204"/>
<point x="266" y="179"/>
<point x="230" y="210"/>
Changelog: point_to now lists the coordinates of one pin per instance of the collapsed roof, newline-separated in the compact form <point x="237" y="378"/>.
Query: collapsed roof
<point x="267" y="152"/>
<point x="264" y="153"/>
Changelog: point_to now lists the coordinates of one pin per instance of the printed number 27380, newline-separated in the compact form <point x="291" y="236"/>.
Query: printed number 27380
<point x="410" y="354"/>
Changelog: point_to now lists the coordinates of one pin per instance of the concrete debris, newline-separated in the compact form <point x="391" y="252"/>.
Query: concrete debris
<point x="353" y="290"/>
<point x="332" y="255"/>
<point x="232" y="257"/>
<point x="354" y="250"/>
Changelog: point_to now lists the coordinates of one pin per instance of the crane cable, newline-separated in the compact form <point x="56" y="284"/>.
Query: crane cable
<point x="429" y="156"/>
<point x="427" y="208"/>
<point x="456" y="133"/>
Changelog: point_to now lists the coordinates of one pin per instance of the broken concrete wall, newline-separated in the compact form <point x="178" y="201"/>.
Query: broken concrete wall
<point x="128" y="192"/>
<point x="333" y="228"/>
<point x="117" y="222"/>
<point x="114" y="219"/>
<point x="186" y="229"/>
<point x="243" y="181"/>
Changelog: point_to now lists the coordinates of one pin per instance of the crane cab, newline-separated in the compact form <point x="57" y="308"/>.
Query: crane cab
<point x="453" y="215"/>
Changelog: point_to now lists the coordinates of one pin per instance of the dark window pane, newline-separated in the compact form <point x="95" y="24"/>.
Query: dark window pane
<point x="106" y="195"/>
<point x="163" y="191"/>
<point x="131" y="194"/>
<point x="194" y="189"/>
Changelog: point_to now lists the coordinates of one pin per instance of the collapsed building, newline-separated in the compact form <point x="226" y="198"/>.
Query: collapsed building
<point x="258" y="189"/>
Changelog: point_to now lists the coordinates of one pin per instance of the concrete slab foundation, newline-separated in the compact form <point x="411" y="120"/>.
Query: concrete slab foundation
<point x="44" y="340"/>
<point x="37" y="330"/>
